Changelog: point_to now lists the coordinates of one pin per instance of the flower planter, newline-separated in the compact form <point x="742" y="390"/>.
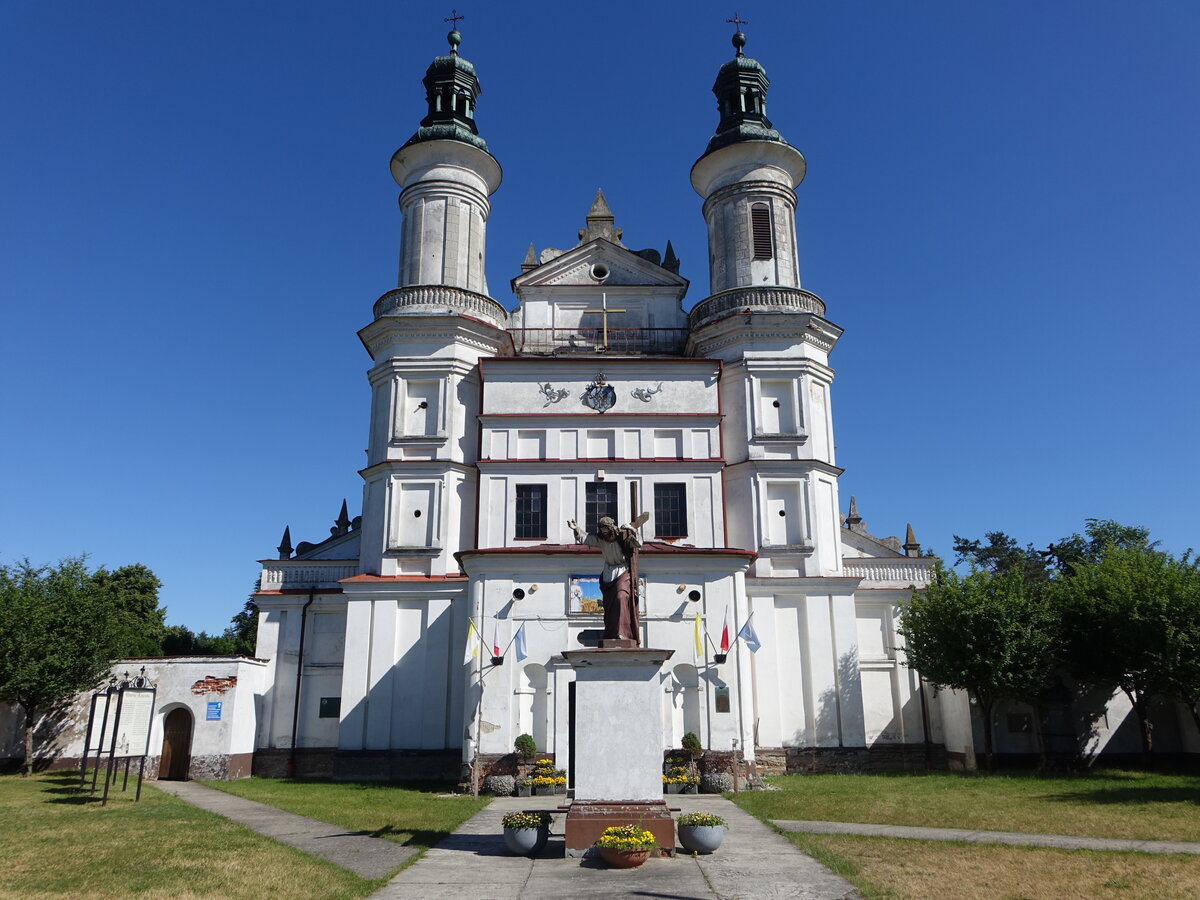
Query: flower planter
<point x="526" y="841"/>
<point x="671" y="788"/>
<point x="525" y="790"/>
<point x="543" y="790"/>
<point x="692" y="788"/>
<point x="624" y="859"/>
<point x="701" y="838"/>
<point x="560" y="789"/>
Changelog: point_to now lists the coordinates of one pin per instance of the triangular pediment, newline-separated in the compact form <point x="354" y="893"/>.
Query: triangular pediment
<point x="573" y="269"/>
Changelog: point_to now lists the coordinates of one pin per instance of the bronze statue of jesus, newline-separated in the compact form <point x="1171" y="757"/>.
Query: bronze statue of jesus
<point x="618" y="585"/>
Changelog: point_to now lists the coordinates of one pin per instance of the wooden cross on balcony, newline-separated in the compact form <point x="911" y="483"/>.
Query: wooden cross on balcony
<point x="603" y="312"/>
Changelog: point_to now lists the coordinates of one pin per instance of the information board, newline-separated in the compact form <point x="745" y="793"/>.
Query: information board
<point x="214" y="711"/>
<point x="133" y="728"/>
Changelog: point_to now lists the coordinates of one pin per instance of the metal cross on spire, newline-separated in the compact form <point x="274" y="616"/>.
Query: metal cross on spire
<point x="455" y="18"/>
<point x="735" y="21"/>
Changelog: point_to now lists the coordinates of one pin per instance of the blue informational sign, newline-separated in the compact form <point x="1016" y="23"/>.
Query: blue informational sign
<point x="214" y="711"/>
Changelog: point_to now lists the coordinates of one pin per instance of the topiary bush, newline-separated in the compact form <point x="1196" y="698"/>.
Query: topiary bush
<point x="691" y="744"/>
<point x="500" y="785"/>
<point x="525" y="746"/>
<point x="716" y="782"/>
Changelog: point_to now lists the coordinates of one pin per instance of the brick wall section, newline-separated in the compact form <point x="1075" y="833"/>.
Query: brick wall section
<point x="210" y="684"/>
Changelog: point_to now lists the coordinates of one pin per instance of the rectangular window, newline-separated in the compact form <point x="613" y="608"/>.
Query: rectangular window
<point x="600" y="499"/>
<point x="531" y="511"/>
<point x="670" y="510"/>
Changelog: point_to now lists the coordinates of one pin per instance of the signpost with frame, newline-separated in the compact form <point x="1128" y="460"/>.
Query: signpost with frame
<point x="128" y="716"/>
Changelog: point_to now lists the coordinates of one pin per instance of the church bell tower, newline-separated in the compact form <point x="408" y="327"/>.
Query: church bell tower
<point x="428" y="335"/>
<point x="780" y="477"/>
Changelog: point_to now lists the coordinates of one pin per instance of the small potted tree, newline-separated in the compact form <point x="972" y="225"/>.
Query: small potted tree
<point x="700" y="832"/>
<point x="626" y="846"/>
<point x="526" y="747"/>
<point x="526" y="833"/>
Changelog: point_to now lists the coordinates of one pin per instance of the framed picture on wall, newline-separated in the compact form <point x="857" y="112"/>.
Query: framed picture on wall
<point x="584" y="597"/>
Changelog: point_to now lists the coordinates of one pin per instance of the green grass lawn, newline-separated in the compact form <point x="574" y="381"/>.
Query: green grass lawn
<point x="56" y="841"/>
<point x="1104" y="803"/>
<point x="415" y="813"/>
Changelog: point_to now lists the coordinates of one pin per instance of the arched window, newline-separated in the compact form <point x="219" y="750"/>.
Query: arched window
<point x="760" y="228"/>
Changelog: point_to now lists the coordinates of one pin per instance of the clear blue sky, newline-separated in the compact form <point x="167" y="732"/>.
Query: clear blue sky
<point x="196" y="215"/>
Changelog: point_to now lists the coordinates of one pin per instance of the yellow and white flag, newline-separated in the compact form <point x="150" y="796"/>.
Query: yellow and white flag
<point x="472" y="642"/>
<point x="699" y="648"/>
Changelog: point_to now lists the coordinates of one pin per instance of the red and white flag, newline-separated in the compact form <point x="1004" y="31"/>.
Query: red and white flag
<point x="495" y="638"/>
<point x="726" y="638"/>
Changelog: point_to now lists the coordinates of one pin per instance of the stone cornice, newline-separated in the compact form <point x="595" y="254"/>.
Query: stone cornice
<point x="755" y="299"/>
<point x="443" y="299"/>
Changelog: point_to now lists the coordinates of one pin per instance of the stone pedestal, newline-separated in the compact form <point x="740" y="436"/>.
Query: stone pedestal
<point x="617" y="751"/>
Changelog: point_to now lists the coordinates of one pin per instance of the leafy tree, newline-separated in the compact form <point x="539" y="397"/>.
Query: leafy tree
<point x="1121" y="618"/>
<point x="1099" y="535"/>
<point x="59" y="634"/>
<point x="133" y="592"/>
<point x="1001" y="554"/>
<point x="1183" y="676"/>
<point x="989" y="633"/>
<point x="243" y="630"/>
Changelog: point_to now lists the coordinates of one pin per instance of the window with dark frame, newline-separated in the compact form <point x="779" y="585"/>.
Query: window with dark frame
<point x="600" y="499"/>
<point x="760" y="228"/>
<point x="670" y="510"/>
<point x="531" y="512"/>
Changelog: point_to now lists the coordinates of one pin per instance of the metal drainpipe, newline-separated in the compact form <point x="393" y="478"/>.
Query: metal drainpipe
<point x="291" y="766"/>
<point x="927" y="741"/>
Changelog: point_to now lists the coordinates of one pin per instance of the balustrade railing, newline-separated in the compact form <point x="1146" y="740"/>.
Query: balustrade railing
<point x="588" y="341"/>
<point x="309" y="574"/>
<point x="775" y="299"/>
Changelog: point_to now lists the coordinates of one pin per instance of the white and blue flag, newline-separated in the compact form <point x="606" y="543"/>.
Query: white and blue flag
<point x="747" y="634"/>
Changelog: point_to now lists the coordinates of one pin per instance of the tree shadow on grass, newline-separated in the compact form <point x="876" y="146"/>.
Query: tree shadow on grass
<point x="1117" y="796"/>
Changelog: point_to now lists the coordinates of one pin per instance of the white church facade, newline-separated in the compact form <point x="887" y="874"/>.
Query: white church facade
<point x="597" y="395"/>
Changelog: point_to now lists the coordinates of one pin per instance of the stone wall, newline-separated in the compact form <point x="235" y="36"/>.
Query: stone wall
<point x="833" y="760"/>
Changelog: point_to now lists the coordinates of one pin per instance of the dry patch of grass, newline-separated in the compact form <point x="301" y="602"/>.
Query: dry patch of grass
<point x="419" y="814"/>
<point x="1109" y="803"/>
<point x="57" y="841"/>
<point x="891" y="869"/>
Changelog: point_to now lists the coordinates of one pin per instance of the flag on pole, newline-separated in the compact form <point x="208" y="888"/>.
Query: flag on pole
<point x="725" y="632"/>
<point x="747" y="634"/>
<point x="696" y="637"/>
<point x="519" y="640"/>
<point x="495" y="638"/>
<point x="472" y="642"/>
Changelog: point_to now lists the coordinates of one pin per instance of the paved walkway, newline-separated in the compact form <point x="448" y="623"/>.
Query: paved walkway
<point x="754" y="862"/>
<point x="1017" y="838"/>
<point x="357" y="851"/>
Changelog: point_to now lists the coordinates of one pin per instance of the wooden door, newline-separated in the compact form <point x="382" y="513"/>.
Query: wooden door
<point x="177" y="746"/>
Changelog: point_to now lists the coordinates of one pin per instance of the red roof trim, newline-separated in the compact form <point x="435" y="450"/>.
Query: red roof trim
<point x="373" y="579"/>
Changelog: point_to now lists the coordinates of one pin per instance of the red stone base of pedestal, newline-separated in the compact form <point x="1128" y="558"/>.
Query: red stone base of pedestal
<point x="587" y="821"/>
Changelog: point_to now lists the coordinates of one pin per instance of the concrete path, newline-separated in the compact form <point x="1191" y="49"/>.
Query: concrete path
<point x="753" y="862"/>
<point x="357" y="851"/>
<point x="1022" y="839"/>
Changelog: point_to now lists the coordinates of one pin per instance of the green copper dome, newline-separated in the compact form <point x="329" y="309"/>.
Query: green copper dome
<point x="451" y="89"/>
<point x="741" y="91"/>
